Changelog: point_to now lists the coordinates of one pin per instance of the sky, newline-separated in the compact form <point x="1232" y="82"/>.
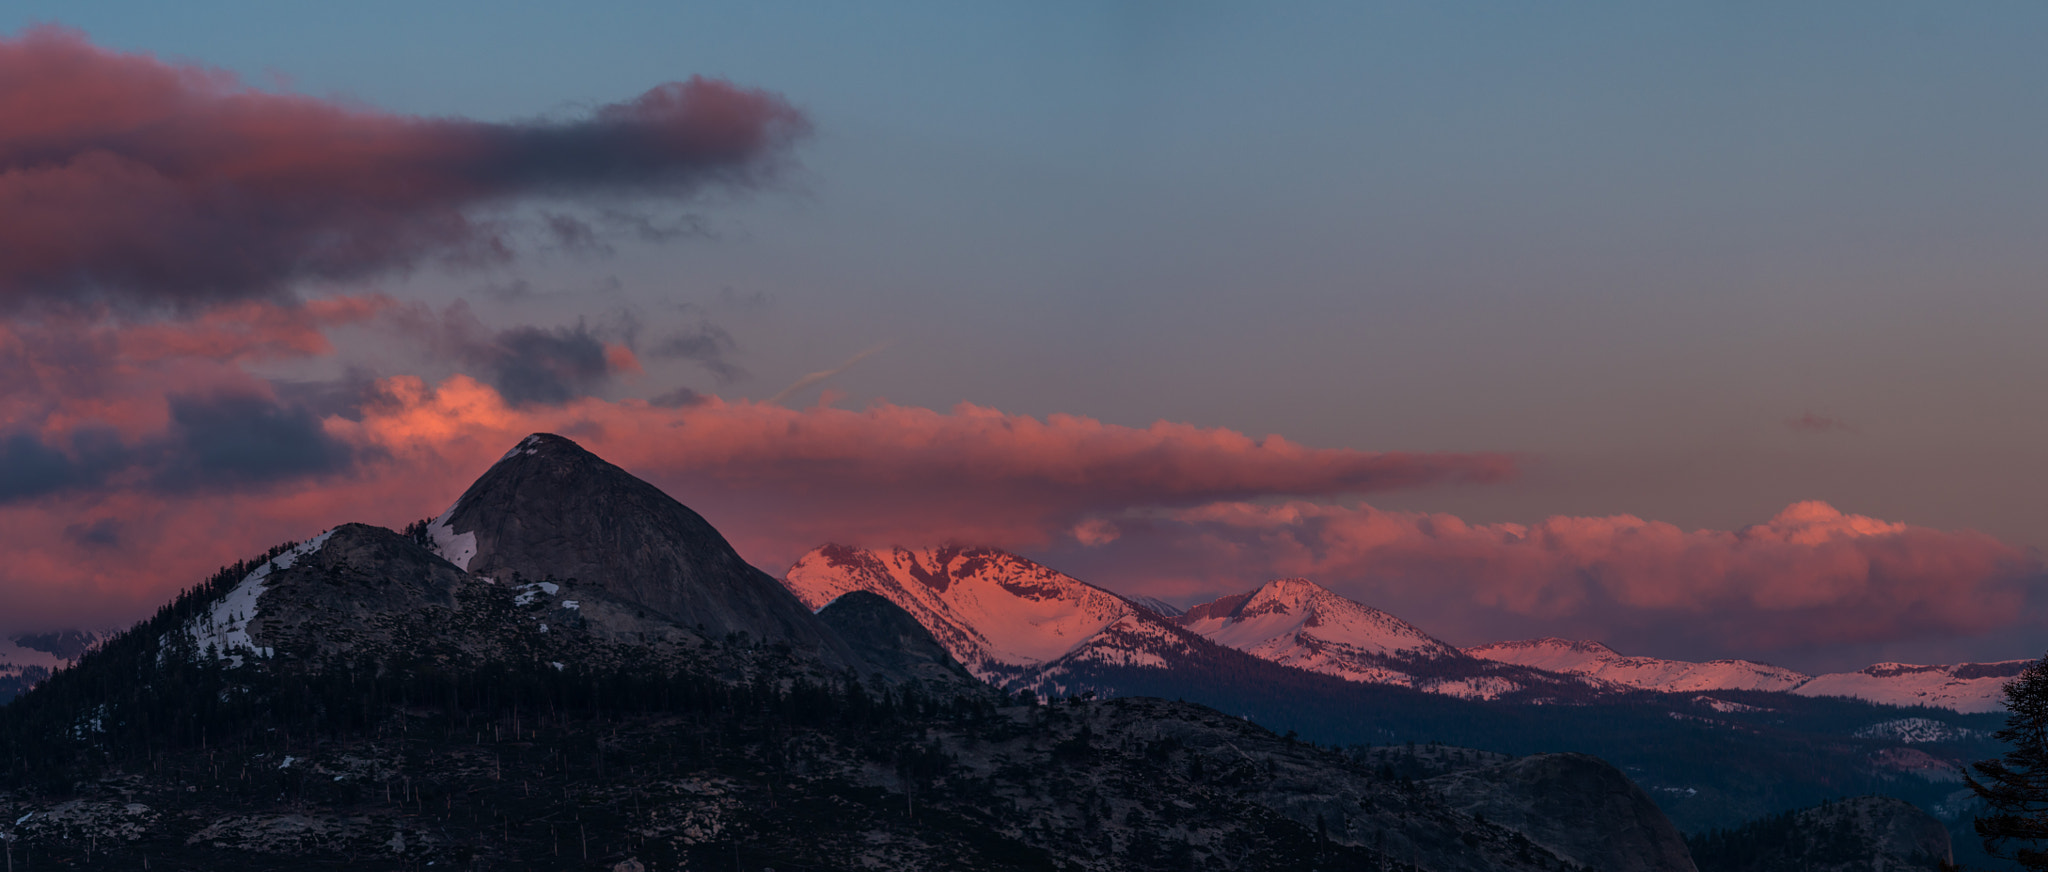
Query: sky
<point x="1705" y="332"/>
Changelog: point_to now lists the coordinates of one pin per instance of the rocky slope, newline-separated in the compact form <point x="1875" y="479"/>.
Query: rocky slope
<point x="1001" y="615"/>
<point x="550" y="510"/>
<point x="1577" y="807"/>
<point x="895" y="644"/>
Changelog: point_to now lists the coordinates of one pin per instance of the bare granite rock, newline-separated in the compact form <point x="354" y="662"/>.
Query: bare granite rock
<point x="551" y="510"/>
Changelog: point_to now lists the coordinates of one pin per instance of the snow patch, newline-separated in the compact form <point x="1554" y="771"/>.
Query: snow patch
<point x="1913" y="731"/>
<point x="225" y="626"/>
<point x="533" y="591"/>
<point x="572" y="604"/>
<point x="1594" y="660"/>
<point x="456" y="548"/>
<point x="1726" y="706"/>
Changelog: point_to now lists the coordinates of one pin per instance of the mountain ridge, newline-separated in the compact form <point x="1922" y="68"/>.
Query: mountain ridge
<point x="358" y="699"/>
<point x="549" y="510"/>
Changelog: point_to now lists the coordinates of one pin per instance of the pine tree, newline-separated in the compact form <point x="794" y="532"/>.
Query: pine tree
<point x="2015" y="786"/>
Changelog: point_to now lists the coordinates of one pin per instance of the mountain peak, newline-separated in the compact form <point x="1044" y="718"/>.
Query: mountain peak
<point x="550" y="509"/>
<point x="998" y="613"/>
<point x="1298" y="622"/>
<point x="1294" y="591"/>
<point x="552" y="448"/>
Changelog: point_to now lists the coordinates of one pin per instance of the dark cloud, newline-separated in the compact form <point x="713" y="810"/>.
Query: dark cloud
<point x="676" y="399"/>
<point x="537" y="365"/>
<point x="31" y="468"/>
<point x="103" y="533"/>
<point x="231" y="439"/>
<point x="342" y="397"/>
<point x="528" y="365"/>
<point x="705" y="344"/>
<point x="575" y="235"/>
<point x="214" y="442"/>
<point x="127" y="179"/>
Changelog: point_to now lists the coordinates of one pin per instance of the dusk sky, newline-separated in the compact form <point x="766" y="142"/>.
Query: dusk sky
<point x="1709" y="331"/>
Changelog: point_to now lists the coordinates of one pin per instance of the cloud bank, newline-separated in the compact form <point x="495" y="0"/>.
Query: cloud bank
<point x="1808" y="578"/>
<point x="778" y="480"/>
<point x="126" y="179"/>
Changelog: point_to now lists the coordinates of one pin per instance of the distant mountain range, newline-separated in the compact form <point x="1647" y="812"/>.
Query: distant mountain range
<point x="1013" y="621"/>
<point x="1962" y="687"/>
<point x="28" y="659"/>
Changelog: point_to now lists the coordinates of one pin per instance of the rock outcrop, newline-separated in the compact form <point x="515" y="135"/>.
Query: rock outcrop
<point x="1576" y="806"/>
<point x="888" y="639"/>
<point x="550" y="510"/>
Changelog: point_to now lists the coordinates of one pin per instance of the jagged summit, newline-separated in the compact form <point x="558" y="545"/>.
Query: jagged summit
<point x="550" y="509"/>
<point x="1294" y="619"/>
<point x="998" y="613"/>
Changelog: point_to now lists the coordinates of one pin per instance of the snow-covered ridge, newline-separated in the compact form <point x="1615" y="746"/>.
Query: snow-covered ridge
<point x="1296" y="622"/>
<point x="1288" y="617"/>
<point x="224" y="628"/>
<point x="1005" y="617"/>
<point x="1595" y="660"/>
<point x="1963" y="687"/>
<point x="998" y="614"/>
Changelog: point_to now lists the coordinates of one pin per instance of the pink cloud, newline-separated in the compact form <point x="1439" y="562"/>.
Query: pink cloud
<point x="778" y="481"/>
<point x="128" y="179"/>
<point x="1809" y="576"/>
<point x="1169" y="509"/>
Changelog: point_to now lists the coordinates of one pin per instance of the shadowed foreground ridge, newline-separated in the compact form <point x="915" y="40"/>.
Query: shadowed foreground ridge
<point x="1850" y="835"/>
